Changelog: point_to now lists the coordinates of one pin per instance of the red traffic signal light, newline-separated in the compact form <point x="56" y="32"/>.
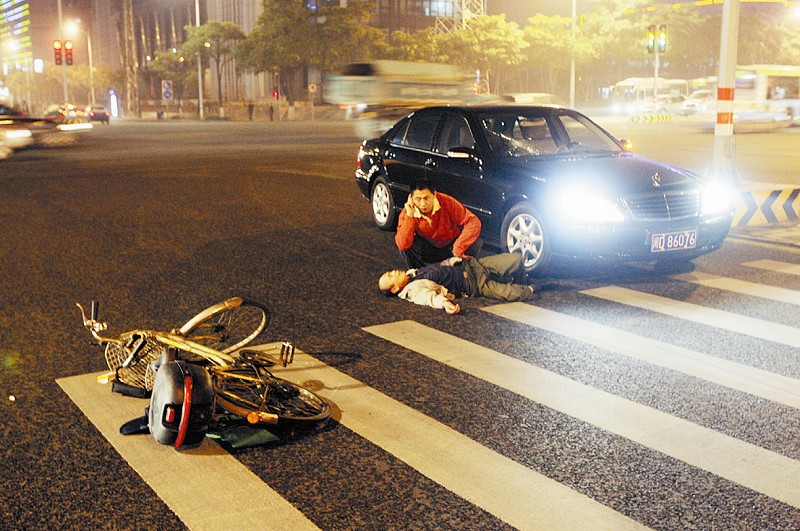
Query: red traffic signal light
<point x="57" y="52"/>
<point x="275" y="94"/>
<point x="68" y="46"/>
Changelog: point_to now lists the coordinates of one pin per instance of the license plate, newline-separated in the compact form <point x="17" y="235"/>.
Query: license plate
<point x="673" y="241"/>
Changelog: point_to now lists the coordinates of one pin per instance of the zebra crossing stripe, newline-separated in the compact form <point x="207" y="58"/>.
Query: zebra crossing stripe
<point x="206" y="487"/>
<point x="775" y="266"/>
<point x="741" y="324"/>
<point x="744" y="287"/>
<point x="509" y="490"/>
<point x="757" y="382"/>
<point x="748" y="465"/>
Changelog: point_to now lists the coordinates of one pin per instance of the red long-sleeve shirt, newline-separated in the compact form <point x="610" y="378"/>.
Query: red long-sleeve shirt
<point x="449" y="221"/>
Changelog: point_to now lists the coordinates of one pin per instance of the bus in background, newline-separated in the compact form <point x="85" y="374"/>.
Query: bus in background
<point x="635" y="95"/>
<point x="768" y="88"/>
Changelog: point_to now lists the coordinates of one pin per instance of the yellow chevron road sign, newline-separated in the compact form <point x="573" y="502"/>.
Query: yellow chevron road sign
<point x="773" y="204"/>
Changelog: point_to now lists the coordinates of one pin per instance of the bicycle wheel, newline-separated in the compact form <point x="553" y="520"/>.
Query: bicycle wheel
<point x="252" y="392"/>
<point x="229" y="325"/>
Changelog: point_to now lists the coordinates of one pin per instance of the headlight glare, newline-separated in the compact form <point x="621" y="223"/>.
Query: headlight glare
<point x="585" y="206"/>
<point x="716" y="199"/>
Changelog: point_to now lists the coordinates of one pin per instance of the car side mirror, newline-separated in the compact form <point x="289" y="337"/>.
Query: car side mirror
<point x="627" y="144"/>
<point x="463" y="153"/>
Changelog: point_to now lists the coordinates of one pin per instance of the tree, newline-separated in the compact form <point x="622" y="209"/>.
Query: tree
<point x="423" y="45"/>
<point x="215" y="40"/>
<point x="290" y="37"/>
<point x="489" y="43"/>
<point x="174" y="67"/>
<point x="549" y="52"/>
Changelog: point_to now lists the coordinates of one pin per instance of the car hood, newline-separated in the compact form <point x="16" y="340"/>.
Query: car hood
<point x="616" y="174"/>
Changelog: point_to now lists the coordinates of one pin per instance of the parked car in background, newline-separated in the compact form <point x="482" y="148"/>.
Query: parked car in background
<point x="9" y="111"/>
<point x="545" y="181"/>
<point x="98" y="113"/>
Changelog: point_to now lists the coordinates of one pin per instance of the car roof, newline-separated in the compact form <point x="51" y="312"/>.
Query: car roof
<point x="500" y="105"/>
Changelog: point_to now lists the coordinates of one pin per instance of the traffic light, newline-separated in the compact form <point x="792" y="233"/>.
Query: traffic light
<point x="275" y="94"/>
<point x="57" y="52"/>
<point x="68" y="46"/>
<point x="650" y="36"/>
<point x="662" y="38"/>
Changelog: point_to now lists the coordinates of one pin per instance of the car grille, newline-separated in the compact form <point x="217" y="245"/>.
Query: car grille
<point x="664" y="206"/>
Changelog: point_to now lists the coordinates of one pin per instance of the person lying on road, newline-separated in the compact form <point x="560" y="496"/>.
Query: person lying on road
<point x="439" y="285"/>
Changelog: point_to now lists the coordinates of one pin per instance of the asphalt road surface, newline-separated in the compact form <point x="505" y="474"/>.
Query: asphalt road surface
<point x="622" y="397"/>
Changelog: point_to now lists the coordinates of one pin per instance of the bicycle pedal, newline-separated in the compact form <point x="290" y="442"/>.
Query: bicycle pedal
<point x="287" y="353"/>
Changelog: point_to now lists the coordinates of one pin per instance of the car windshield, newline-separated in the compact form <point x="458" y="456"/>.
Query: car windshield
<point x="514" y="134"/>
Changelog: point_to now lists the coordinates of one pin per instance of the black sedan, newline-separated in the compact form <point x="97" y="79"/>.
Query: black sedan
<point x="546" y="181"/>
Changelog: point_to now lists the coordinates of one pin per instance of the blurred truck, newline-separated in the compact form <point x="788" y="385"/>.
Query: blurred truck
<point x="377" y="93"/>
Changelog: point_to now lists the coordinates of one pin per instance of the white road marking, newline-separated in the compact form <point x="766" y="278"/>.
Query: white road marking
<point x="206" y="487"/>
<point x="748" y="465"/>
<point x="774" y="265"/>
<point x="744" y="287"/>
<point x="757" y="382"/>
<point x="509" y="490"/>
<point x="779" y="333"/>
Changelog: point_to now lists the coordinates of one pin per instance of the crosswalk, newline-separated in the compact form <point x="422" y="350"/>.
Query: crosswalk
<point x="515" y="492"/>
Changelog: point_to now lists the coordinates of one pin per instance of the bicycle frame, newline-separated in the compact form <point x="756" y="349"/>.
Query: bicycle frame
<point x="170" y="339"/>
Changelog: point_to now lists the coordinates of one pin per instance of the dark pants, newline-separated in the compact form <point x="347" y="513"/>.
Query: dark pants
<point x="422" y="253"/>
<point x="493" y="277"/>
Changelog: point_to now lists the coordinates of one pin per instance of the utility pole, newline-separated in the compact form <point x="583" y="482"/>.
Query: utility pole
<point x="572" y="60"/>
<point x="61" y="38"/>
<point x="724" y="140"/>
<point x="131" y="64"/>
<point x="199" y="63"/>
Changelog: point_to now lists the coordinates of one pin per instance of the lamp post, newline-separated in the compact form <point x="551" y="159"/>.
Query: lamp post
<point x="572" y="59"/>
<point x="61" y="38"/>
<point x="199" y="65"/>
<point x="91" y="64"/>
<point x="89" y="53"/>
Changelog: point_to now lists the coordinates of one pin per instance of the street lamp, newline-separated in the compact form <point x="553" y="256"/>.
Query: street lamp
<point x="61" y="38"/>
<point x="572" y="58"/>
<point x="74" y="26"/>
<point x="199" y="66"/>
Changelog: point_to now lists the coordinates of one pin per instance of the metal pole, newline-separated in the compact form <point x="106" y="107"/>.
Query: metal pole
<point x="63" y="65"/>
<point x="656" y="64"/>
<point x="724" y="140"/>
<point x="572" y="61"/>
<point x="91" y="64"/>
<point x="199" y="65"/>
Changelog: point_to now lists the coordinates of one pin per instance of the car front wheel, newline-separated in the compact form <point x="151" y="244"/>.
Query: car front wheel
<point x="523" y="232"/>
<point x="383" y="206"/>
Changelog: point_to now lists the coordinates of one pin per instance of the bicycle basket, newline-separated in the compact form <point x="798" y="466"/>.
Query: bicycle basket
<point x="138" y="372"/>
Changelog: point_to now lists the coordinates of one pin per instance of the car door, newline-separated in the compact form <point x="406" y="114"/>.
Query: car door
<point x="459" y="175"/>
<point x="409" y="149"/>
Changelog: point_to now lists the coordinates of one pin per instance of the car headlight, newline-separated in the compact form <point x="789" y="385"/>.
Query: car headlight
<point x="715" y="199"/>
<point x="583" y="205"/>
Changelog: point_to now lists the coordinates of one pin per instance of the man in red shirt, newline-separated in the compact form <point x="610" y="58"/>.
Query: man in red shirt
<point x="434" y="226"/>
